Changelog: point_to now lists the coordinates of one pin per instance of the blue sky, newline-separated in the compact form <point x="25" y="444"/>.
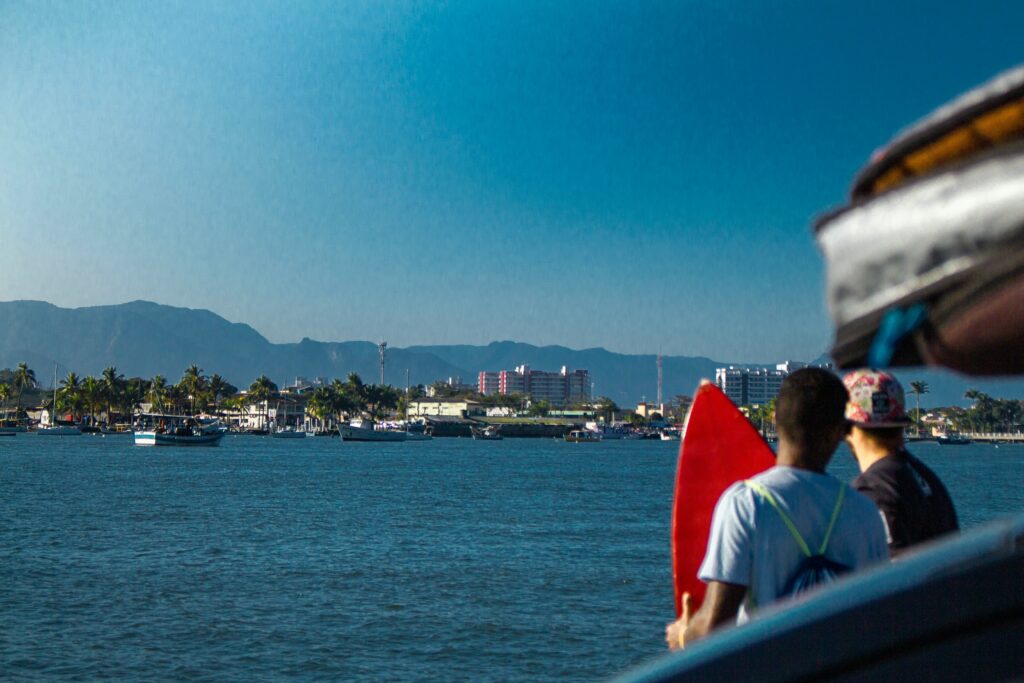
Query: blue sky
<point x="638" y="176"/>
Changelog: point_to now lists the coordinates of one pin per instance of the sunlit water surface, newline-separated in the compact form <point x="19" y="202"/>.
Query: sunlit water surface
<point x="454" y="559"/>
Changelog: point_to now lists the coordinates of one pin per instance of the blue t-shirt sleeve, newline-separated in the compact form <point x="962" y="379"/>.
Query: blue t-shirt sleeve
<point x="730" y="553"/>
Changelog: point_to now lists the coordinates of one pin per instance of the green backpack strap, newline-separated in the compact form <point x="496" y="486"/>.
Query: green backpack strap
<point x="766" y="494"/>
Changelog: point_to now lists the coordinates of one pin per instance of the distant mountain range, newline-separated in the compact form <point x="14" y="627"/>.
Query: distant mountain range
<point x="144" y="339"/>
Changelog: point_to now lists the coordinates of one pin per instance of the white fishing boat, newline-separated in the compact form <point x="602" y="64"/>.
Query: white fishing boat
<point x="179" y="430"/>
<point x="60" y="430"/>
<point x="365" y="430"/>
<point x="288" y="432"/>
<point x="285" y="430"/>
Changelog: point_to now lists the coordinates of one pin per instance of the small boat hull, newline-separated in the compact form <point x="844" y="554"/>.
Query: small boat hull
<point x="418" y="436"/>
<point x="582" y="436"/>
<point x="350" y="433"/>
<point x="59" y="431"/>
<point x="155" y="439"/>
<point x="289" y="434"/>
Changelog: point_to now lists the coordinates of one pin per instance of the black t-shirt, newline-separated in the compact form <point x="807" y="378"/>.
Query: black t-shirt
<point x="915" y="504"/>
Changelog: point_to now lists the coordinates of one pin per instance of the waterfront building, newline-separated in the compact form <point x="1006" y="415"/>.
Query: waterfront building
<point x="560" y="388"/>
<point x="513" y="381"/>
<point x="645" y="409"/>
<point x="487" y="383"/>
<point x="444" y="407"/>
<point x="733" y="383"/>
<point x="453" y="385"/>
<point x="301" y="385"/>
<point x="757" y="385"/>
<point x="763" y="385"/>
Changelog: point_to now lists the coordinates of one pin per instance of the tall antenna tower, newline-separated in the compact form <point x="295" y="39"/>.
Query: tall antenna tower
<point x="383" y="347"/>
<point x="659" y="379"/>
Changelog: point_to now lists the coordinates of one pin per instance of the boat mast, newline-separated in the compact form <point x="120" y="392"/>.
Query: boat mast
<point x="53" y="408"/>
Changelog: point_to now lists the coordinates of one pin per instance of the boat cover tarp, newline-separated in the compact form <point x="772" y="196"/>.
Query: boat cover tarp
<point x="926" y="263"/>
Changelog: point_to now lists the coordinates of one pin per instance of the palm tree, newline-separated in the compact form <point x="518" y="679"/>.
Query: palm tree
<point x="918" y="388"/>
<point x="192" y="383"/>
<point x="92" y="392"/>
<point x="354" y="383"/>
<point x="217" y="388"/>
<point x="71" y="391"/>
<point x="260" y="391"/>
<point x="321" y="404"/>
<point x="342" y="399"/>
<point x="24" y="377"/>
<point x="980" y="416"/>
<point x="131" y="398"/>
<point x="607" y="408"/>
<point x="5" y="395"/>
<point x="113" y="386"/>
<point x="350" y="395"/>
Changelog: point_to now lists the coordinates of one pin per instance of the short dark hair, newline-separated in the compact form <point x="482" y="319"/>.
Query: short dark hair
<point x="811" y="402"/>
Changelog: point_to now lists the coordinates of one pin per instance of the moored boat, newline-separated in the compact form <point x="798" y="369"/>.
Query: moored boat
<point x="12" y="426"/>
<point x="178" y="430"/>
<point x="364" y="430"/>
<point x="60" y="430"/>
<point x="417" y="431"/>
<point x="952" y="440"/>
<point x="582" y="436"/>
<point x="165" y="439"/>
<point x="288" y="432"/>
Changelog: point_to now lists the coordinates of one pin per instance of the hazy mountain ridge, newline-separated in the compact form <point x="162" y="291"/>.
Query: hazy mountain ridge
<point x="144" y="339"/>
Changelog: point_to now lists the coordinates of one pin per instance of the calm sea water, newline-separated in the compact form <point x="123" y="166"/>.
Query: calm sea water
<point x="316" y="559"/>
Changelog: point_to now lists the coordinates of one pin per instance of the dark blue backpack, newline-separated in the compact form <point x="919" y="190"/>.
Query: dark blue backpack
<point x="815" y="569"/>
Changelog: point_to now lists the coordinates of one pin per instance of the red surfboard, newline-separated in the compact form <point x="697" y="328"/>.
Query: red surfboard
<point x="719" y="447"/>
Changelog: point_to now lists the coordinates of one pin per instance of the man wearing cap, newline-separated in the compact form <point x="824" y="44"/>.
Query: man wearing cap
<point x="913" y="501"/>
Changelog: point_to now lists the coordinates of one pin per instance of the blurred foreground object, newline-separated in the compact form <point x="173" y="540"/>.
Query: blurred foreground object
<point x="925" y="265"/>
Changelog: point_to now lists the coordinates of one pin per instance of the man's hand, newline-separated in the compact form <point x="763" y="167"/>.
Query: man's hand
<point x="675" y="633"/>
<point x="721" y="603"/>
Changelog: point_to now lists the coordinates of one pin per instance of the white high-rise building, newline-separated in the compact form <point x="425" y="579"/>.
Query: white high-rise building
<point x="560" y="388"/>
<point x="733" y="383"/>
<point x="755" y="386"/>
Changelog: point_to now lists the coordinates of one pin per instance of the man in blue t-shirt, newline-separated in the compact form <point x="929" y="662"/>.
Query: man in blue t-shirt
<point x="752" y="554"/>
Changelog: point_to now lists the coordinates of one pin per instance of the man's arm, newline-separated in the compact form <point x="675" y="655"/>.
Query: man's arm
<point x="721" y="604"/>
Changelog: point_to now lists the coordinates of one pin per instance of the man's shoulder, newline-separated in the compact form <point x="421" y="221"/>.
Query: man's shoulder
<point x="781" y="478"/>
<point x="912" y="461"/>
<point x="884" y="475"/>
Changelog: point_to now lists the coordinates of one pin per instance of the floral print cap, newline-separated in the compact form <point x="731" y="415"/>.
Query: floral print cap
<point x="876" y="399"/>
